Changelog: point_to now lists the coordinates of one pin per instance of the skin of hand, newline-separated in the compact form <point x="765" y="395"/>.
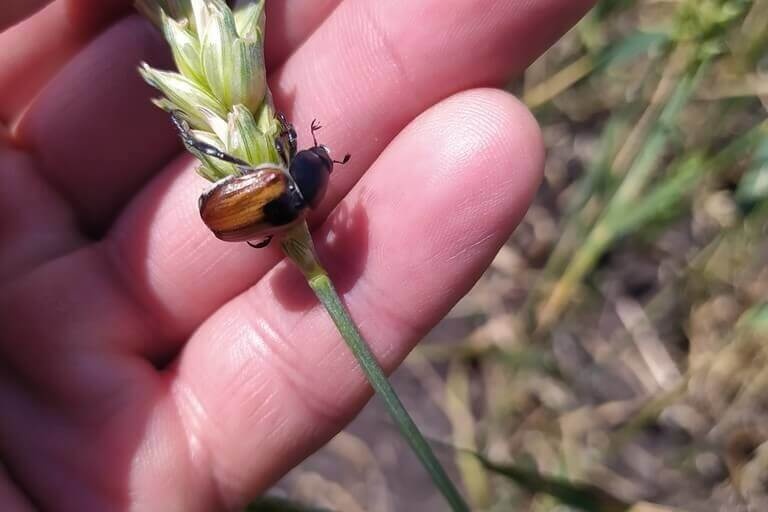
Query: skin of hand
<point x="145" y="365"/>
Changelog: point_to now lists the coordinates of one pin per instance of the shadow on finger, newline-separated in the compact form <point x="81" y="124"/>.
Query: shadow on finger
<point x="343" y="244"/>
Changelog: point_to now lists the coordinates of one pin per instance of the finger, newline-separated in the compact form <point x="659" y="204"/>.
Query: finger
<point x="93" y="129"/>
<point x="97" y="137"/>
<point x="35" y="224"/>
<point x="295" y="20"/>
<point x="91" y="16"/>
<point x="364" y="93"/>
<point x="16" y="10"/>
<point x="11" y="498"/>
<point x="44" y="43"/>
<point x="267" y="379"/>
<point x="74" y="307"/>
<point x="40" y="46"/>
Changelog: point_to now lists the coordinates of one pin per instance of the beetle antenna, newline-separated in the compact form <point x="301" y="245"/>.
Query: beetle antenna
<point x="314" y="127"/>
<point x="343" y="160"/>
<point x="189" y="140"/>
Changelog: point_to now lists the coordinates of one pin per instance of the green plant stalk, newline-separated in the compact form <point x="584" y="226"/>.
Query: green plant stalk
<point x="577" y="219"/>
<point x="457" y="396"/>
<point x="641" y="171"/>
<point x="635" y="182"/>
<point x="329" y="298"/>
<point x="451" y="395"/>
<point x="583" y="496"/>
<point x="663" y="197"/>
<point x="674" y="60"/>
<point x="687" y="172"/>
<point x="299" y="247"/>
<point x="611" y="161"/>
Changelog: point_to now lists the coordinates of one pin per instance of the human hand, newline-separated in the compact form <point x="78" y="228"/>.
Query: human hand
<point x="145" y="365"/>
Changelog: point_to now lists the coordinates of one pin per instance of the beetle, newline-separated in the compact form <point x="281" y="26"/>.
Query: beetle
<point x="263" y="201"/>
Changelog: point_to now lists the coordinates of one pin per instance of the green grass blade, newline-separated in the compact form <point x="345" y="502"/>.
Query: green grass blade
<point x="583" y="496"/>
<point x="326" y="293"/>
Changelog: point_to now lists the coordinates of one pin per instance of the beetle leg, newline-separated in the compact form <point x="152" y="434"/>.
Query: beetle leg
<point x="287" y="135"/>
<point x="191" y="142"/>
<point x="281" y="151"/>
<point x="343" y="160"/>
<point x="314" y="127"/>
<point x="261" y="244"/>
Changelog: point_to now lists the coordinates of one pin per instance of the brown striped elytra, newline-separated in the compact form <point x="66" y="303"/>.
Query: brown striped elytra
<point x="252" y="205"/>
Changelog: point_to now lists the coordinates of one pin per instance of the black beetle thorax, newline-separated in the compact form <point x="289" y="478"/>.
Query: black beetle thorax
<point x="311" y="171"/>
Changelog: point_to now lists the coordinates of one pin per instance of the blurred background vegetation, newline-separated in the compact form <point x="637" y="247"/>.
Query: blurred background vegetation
<point x="613" y="357"/>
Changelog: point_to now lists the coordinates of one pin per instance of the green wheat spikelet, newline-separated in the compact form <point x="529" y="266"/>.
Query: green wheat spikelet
<point x="220" y="87"/>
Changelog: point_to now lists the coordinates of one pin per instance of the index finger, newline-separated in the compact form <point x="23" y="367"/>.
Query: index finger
<point x="17" y="10"/>
<point x="42" y="42"/>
